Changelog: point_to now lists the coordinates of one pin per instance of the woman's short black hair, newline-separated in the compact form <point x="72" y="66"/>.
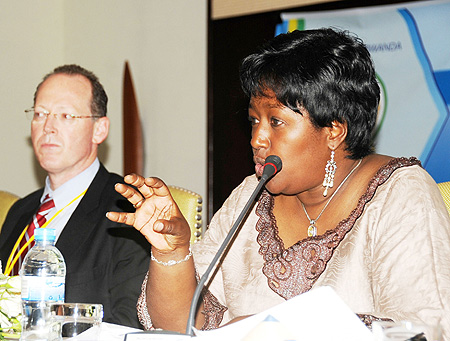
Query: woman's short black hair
<point x="327" y="72"/>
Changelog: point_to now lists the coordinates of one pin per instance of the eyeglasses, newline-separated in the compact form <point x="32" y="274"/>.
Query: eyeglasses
<point x="41" y="116"/>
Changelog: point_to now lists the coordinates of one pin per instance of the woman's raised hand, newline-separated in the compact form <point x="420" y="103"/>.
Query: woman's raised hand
<point x="157" y="215"/>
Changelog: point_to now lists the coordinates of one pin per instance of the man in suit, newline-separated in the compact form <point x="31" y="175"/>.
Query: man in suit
<point x="106" y="262"/>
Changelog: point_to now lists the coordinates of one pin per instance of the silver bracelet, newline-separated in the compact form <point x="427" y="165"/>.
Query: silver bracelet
<point x="172" y="262"/>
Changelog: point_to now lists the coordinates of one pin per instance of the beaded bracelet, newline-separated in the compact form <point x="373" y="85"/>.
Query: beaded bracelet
<point x="172" y="262"/>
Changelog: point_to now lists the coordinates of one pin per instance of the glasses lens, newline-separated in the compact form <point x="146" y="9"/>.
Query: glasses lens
<point x="66" y="117"/>
<point x="41" y="116"/>
<point x="36" y="116"/>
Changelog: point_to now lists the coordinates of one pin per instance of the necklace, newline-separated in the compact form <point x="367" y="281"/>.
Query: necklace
<point x="312" y="229"/>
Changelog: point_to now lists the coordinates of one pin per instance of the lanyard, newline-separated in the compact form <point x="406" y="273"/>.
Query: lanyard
<point x="11" y="262"/>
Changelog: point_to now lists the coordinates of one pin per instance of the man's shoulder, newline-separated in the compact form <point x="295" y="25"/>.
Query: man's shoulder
<point x="110" y="177"/>
<point x="18" y="216"/>
<point x="30" y="199"/>
<point x="105" y="180"/>
<point x="102" y="190"/>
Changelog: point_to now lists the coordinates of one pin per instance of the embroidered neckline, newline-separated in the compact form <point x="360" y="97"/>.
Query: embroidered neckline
<point x="294" y="270"/>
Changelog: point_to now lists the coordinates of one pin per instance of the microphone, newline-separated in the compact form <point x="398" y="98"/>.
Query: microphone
<point x="272" y="166"/>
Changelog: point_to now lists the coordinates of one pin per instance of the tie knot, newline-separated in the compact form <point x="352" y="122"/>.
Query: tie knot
<point x="47" y="204"/>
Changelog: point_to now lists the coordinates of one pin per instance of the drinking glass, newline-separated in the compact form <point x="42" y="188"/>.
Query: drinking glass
<point x="75" y="318"/>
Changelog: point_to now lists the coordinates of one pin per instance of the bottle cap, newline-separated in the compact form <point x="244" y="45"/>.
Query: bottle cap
<point x="44" y="234"/>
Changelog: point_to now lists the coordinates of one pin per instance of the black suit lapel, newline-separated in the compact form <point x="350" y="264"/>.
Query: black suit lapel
<point x="18" y="218"/>
<point x="79" y="227"/>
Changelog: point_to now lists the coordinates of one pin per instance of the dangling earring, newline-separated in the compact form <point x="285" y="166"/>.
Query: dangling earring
<point x="330" y="169"/>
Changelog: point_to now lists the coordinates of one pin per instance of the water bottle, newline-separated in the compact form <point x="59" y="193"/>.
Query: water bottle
<point x="43" y="276"/>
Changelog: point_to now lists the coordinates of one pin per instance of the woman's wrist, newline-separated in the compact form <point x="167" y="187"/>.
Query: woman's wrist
<point x="173" y="258"/>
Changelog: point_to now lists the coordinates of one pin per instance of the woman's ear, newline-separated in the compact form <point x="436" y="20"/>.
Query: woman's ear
<point x="101" y="129"/>
<point x="336" y="134"/>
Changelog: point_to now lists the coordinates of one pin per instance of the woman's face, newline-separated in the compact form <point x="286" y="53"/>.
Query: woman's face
<point x="303" y="149"/>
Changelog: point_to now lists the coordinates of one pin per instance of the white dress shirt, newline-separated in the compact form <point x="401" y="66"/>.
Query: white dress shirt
<point x="67" y="192"/>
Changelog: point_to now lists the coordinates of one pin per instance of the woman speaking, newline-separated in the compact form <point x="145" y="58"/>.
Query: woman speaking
<point x="372" y="227"/>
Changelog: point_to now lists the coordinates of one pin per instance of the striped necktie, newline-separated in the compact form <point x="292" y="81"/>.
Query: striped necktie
<point x="39" y="219"/>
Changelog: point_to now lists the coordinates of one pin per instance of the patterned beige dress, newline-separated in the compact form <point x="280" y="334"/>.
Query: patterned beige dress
<point x="389" y="259"/>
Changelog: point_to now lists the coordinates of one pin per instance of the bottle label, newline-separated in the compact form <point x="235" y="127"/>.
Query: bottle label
<point x="35" y="288"/>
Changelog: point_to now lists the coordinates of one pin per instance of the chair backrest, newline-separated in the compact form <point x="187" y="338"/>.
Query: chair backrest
<point x="190" y="204"/>
<point x="6" y="201"/>
<point x="444" y="187"/>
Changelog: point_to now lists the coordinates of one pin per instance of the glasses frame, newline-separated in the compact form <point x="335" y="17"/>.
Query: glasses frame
<point x="32" y="112"/>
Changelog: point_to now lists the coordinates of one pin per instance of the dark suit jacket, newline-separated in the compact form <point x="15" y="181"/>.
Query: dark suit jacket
<point x="106" y="262"/>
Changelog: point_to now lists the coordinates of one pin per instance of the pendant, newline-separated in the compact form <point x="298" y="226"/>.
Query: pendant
<point x="312" y="230"/>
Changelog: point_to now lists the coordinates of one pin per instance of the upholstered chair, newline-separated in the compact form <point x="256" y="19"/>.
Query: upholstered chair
<point x="190" y="204"/>
<point x="444" y="187"/>
<point x="6" y="201"/>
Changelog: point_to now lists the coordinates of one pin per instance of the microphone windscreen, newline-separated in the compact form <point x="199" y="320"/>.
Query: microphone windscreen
<point x="272" y="166"/>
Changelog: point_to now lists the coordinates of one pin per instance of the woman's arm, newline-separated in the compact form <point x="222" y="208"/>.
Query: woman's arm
<point x="171" y="277"/>
<point x="411" y="277"/>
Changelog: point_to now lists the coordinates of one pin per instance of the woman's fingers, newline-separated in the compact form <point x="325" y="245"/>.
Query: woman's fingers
<point x="145" y="189"/>
<point x="132" y="195"/>
<point x="157" y="186"/>
<point x="147" y="186"/>
<point x="162" y="234"/>
<point x="169" y="234"/>
<point x="134" y="180"/>
<point x="121" y="217"/>
<point x="157" y="216"/>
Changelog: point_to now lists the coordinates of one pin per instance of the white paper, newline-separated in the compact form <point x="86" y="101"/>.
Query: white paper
<point x="317" y="315"/>
<point x="158" y="337"/>
<point x="105" y="332"/>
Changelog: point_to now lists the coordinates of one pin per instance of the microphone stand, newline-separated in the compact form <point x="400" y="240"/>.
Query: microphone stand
<point x="268" y="172"/>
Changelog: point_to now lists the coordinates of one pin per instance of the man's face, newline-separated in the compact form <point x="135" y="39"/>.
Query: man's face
<point x="66" y="148"/>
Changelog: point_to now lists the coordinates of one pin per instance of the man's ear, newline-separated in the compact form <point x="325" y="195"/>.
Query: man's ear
<point x="101" y="130"/>
<point x="336" y="134"/>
